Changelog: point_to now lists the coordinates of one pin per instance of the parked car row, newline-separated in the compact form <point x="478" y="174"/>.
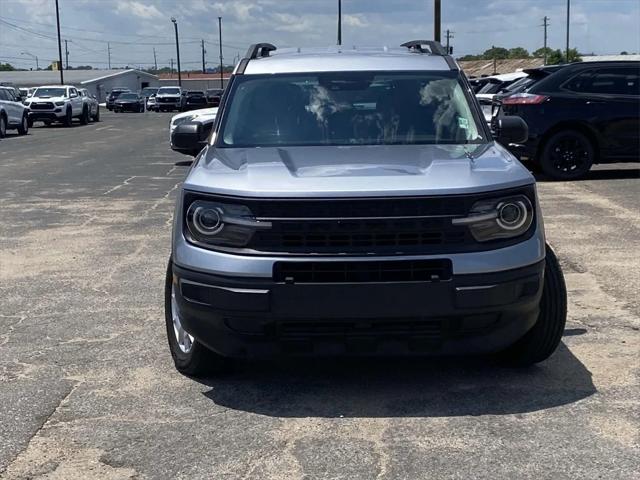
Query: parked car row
<point x="162" y="99"/>
<point x="48" y="104"/>
<point x="578" y="115"/>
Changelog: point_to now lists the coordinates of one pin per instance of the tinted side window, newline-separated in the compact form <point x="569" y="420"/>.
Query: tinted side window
<point x="607" y="81"/>
<point x="580" y="83"/>
<point x="616" y="81"/>
<point x="3" y="95"/>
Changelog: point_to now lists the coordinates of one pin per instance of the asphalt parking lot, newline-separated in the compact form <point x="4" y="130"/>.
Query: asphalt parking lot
<point x="88" y="388"/>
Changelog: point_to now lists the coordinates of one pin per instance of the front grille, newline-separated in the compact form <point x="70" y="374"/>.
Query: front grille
<point x="362" y="272"/>
<point x="167" y="100"/>
<point x="362" y="234"/>
<point x="42" y="106"/>
<point x="410" y="327"/>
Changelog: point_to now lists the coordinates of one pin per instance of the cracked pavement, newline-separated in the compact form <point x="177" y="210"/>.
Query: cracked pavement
<point x="89" y="391"/>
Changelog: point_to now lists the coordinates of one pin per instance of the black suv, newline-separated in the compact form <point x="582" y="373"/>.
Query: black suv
<point x="213" y="97"/>
<point x="585" y="113"/>
<point x="195" y="100"/>
<point x="112" y="97"/>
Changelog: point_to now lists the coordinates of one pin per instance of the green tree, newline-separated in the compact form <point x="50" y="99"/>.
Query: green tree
<point x="6" y="67"/>
<point x="557" y="56"/>
<point x="471" y="57"/>
<point x="495" y="52"/>
<point x="539" y="53"/>
<point x="518" y="52"/>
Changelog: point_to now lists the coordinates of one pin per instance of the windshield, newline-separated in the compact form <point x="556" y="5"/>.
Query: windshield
<point x="349" y="108"/>
<point x="169" y="91"/>
<point x="128" y="96"/>
<point x="148" y="91"/>
<point x="214" y="92"/>
<point x="490" y="87"/>
<point x="50" y="92"/>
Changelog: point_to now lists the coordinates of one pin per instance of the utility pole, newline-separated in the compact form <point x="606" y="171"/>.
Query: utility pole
<point x="339" y="22"/>
<point x="204" y="67"/>
<point x="109" y="54"/>
<point x="437" y="14"/>
<point x="155" y="60"/>
<point x="59" y="44"/>
<point x="449" y="36"/>
<point x="66" y="54"/>
<point x="175" y="25"/>
<point x="545" y="24"/>
<point x="171" y="69"/>
<point x="220" y="41"/>
<point x="568" y="16"/>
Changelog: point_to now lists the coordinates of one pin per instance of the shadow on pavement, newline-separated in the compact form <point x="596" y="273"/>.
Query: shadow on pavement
<point x="612" y="174"/>
<point x="407" y="387"/>
<point x="184" y="163"/>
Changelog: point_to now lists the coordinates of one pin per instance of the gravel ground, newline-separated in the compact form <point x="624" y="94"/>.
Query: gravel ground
<point x="89" y="389"/>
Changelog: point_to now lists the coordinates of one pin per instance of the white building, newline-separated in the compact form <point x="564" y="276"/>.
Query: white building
<point x="98" y="82"/>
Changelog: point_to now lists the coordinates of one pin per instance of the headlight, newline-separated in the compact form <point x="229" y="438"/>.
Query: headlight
<point x="216" y="223"/>
<point x="181" y="120"/>
<point x="498" y="218"/>
<point x="60" y="104"/>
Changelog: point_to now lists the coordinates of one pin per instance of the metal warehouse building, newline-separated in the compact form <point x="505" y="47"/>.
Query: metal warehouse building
<point x="98" y="82"/>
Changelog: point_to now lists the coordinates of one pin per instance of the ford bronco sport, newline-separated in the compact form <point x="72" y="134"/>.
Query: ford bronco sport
<point x="354" y="202"/>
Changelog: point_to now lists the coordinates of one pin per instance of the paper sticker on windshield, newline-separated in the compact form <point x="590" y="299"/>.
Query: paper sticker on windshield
<point x="463" y="123"/>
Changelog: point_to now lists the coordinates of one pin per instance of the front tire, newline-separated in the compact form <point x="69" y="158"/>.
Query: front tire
<point x="23" y="129"/>
<point x="567" y="155"/>
<point x="96" y="117"/>
<point x="68" y="118"/>
<point x="189" y="356"/>
<point x="84" y="118"/>
<point x="3" y="126"/>
<point x="543" y="339"/>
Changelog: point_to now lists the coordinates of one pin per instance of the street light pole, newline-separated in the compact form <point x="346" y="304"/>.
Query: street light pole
<point x="339" y="22"/>
<point x="437" y="14"/>
<point x="175" y="25"/>
<point x="32" y="56"/>
<point x="568" y="15"/>
<point x="220" y="42"/>
<point x="59" y="44"/>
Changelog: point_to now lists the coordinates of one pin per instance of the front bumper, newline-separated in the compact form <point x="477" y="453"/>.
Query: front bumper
<point x="37" y="115"/>
<point x="127" y="107"/>
<point x="253" y="317"/>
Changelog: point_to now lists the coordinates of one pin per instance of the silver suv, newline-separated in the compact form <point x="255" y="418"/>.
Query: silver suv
<point x="354" y="202"/>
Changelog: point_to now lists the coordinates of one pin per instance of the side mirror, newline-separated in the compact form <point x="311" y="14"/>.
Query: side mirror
<point x="74" y="95"/>
<point x="511" y="129"/>
<point x="188" y="138"/>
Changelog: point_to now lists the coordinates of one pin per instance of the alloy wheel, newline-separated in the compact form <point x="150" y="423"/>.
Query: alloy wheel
<point x="569" y="154"/>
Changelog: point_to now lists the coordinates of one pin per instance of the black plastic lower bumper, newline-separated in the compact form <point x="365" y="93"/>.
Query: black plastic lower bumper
<point x="52" y="116"/>
<point x="239" y="317"/>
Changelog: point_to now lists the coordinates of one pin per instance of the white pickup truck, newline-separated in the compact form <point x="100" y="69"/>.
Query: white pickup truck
<point x="13" y="114"/>
<point x="58" y="103"/>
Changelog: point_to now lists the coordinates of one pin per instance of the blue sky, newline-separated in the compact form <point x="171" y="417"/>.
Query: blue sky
<point x="135" y="27"/>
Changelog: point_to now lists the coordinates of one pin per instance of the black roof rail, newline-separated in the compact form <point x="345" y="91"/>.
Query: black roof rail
<point x="259" y="50"/>
<point x="434" y="47"/>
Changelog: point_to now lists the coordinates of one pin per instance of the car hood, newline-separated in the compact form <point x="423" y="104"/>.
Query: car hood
<point x="47" y="99"/>
<point x="202" y="114"/>
<point x="352" y="171"/>
<point x="167" y="95"/>
<point x="126" y="100"/>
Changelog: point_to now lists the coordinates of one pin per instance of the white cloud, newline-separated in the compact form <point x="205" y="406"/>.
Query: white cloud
<point x="357" y="21"/>
<point x="138" y="9"/>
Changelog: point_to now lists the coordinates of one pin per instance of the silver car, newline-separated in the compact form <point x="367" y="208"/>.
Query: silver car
<point x="354" y="202"/>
